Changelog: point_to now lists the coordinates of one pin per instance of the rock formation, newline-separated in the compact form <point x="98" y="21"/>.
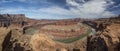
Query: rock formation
<point x="7" y="20"/>
<point x="106" y="37"/>
<point x="15" y="41"/>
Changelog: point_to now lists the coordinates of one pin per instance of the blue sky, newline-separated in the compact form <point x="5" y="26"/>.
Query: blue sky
<point x="61" y="9"/>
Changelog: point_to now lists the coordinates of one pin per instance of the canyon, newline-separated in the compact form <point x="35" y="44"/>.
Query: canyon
<point x="19" y="33"/>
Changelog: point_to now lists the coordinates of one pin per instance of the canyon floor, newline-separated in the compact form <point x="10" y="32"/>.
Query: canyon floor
<point x="19" y="33"/>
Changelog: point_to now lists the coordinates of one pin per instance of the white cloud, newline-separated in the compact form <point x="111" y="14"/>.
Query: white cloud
<point x="72" y="2"/>
<point x="48" y="13"/>
<point x="92" y="8"/>
<point x="89" y="9"/>
<point x="12" y="10"/>
<point x="56" y="10"/>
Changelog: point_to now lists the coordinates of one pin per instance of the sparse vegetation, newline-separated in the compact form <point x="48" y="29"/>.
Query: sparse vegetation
<point x="70" y="40"/>
<point x="31" y="30"/>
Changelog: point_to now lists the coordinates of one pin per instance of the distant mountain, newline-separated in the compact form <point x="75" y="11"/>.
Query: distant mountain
<point x="7" y="20"/>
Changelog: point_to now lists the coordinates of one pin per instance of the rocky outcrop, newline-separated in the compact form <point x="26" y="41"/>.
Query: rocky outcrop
<point x="96" y="44"/>
<point x="7" y="20"/>
<point x="40" y="42"/>
<point x="15" y="41"/>
<point x="3" y="34"/>
<point x="107" y="37"/>
<point x="6" y="41"/>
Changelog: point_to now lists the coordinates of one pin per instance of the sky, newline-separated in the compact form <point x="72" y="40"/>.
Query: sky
<point x="61" y="9"/>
